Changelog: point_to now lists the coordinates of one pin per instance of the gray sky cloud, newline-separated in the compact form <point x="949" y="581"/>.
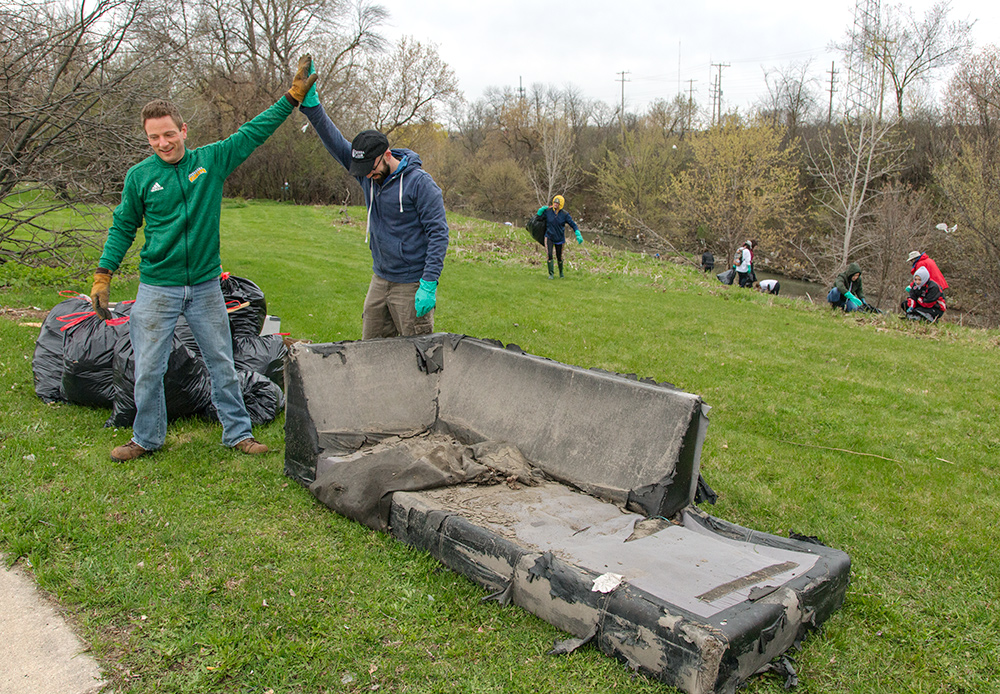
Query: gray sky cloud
<point x="662" y="45"/>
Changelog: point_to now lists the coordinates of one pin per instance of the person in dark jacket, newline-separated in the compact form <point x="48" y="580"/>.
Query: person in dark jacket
<point x="848" y="292"/>
<point x="556" y="219"/>
<point x="926" y="300"/>
<point x="407" y="231"/>
<point x="707" y="261"/>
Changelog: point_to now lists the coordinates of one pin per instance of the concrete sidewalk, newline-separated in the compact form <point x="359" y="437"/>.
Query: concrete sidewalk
<point x="39" y="653"/>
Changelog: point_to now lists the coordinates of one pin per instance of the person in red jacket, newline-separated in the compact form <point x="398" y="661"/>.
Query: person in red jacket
<point x="919" y="259"/>
<point x="926" y="301"/>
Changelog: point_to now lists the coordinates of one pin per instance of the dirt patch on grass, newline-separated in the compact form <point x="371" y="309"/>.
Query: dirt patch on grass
<point x="28" y="316"/>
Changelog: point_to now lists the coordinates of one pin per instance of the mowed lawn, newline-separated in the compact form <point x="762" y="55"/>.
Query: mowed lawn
<point x="201" y="570"/>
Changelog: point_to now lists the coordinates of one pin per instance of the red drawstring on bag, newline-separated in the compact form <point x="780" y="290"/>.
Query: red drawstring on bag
<point x="72" y="319"/>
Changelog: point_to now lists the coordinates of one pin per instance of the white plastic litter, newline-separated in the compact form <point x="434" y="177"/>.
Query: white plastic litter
<point x="606" y="583"/>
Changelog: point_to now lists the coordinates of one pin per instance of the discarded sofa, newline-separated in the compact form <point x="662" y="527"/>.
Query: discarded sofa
<point x="569" y="492"/>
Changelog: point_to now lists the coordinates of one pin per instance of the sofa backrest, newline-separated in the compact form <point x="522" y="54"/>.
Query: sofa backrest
<point x="636" y="443"/>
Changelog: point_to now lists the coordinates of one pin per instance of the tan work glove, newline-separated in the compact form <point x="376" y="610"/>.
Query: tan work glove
<point x="302" y="80"/>
<point x="100" y="294"/>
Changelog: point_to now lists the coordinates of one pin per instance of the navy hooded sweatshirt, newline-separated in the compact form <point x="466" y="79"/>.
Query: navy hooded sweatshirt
<point x="408" y="232"/>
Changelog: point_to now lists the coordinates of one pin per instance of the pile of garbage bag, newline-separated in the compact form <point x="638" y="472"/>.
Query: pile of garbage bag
<point x="84" y="360"/>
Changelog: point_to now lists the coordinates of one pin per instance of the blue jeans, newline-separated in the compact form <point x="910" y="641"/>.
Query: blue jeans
<point x="151" y="328"/>
<point x="835" y="298"/>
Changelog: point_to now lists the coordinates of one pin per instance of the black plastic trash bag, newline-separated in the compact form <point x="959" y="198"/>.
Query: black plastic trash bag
<point x="262" y="398"/>
<point x="186" y="384"/>
<point x="243" y="320"/>
<point x="728" y="276"/>
<point x="88" y="357"/>
<point x="536" y="227"/>
<point x="47" y="361"/>
<point x="263" y="354"/>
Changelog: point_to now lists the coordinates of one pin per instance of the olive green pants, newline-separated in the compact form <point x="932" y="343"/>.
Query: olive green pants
<point x="390" y="312"/>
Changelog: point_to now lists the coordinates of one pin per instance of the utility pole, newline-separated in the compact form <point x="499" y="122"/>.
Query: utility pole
<point x="833" y="73"/>
<point x="717" y="93"/>
<point x="621" y="118"/>
<point x="690" y="102"/>
<point x="678" y="67"/>
<point x="520" y="87"/>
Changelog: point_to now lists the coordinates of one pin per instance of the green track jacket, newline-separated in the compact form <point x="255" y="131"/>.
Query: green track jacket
<point x="181" y="204"/>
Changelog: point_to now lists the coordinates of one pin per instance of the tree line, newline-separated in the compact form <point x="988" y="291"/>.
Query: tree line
<point x="815" y="189"/>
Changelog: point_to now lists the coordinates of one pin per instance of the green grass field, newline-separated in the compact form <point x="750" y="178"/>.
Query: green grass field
<point x="201" y="570"/>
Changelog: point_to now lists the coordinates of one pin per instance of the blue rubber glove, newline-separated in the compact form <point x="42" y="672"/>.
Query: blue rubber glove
<point x="853" y="299"/>
<point x="426" y="298"/>
<point x="579" y="236"/>
<point x="541" y="210"/>
<point x="311" y="98"/>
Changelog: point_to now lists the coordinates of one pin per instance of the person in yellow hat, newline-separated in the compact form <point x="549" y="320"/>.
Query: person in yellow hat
<point x="556" y="219"/>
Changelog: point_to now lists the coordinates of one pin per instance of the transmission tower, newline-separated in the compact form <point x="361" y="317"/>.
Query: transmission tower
<point x="863" y="90"/>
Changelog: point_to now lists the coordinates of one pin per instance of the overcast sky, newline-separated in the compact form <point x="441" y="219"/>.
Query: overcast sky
<point x="660" y="44"/>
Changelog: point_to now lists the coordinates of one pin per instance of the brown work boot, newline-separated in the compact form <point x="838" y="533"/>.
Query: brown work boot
<point x="130" y="451"/>
<point x="251" y="446"/>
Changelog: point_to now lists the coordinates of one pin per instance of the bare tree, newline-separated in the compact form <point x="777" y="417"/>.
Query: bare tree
<point x="231" y="59"/>
<point x="234" y="57"/>
<point x="911" y="48"/>
<point x="973" y="95"/>
<point x="514" y="131"/>
<point x="556" y="171"/>
<point x="577" y="108"/>
<point x="72" y="81"/>
<point x="791" y="96"/>
<point x="406" y="86"/>
<point x="670" y="117"/>
<point x="969" y="179"/>
<point x="848" y="163"/>
<point x="901" y="222"/>
<point x="472" y="123"/>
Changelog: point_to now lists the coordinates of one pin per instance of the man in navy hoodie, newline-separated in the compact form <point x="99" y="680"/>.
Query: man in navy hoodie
<point x="406" y="227"/>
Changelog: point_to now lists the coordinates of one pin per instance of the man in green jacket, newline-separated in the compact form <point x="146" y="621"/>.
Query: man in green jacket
<point x="848" y="293"/>
<point x="177" y="194"/>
